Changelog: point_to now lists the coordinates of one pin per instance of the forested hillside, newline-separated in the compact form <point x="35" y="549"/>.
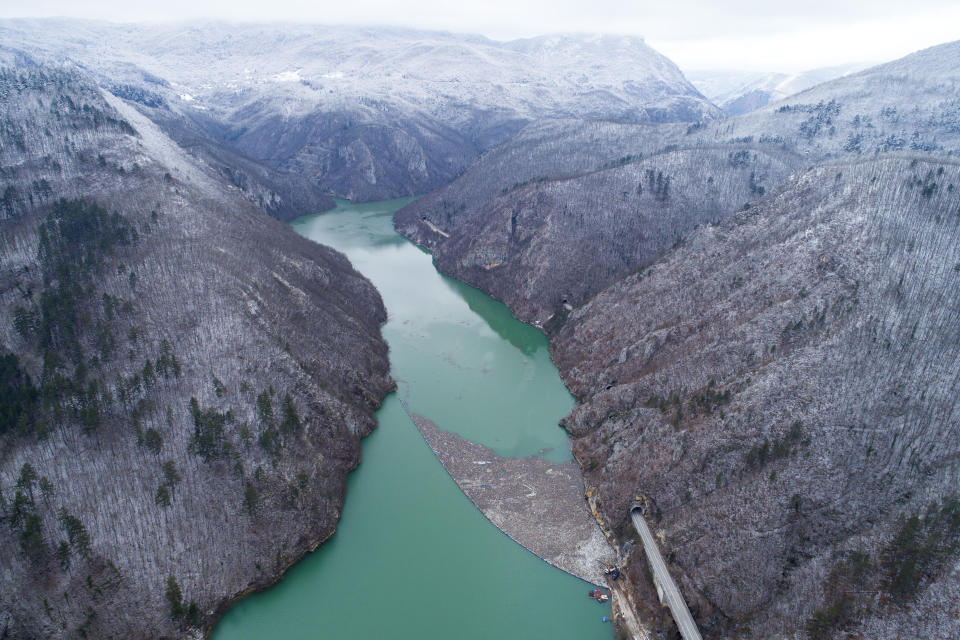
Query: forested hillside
<point x="184" y="382"/>
<point x="565" y="208"/>
<point x="757" y="316"/>
<point x="547" y="244"/>
<point x="782" y="387"/>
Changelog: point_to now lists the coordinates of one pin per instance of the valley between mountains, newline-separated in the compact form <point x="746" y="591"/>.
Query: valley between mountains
<point x="757" y="311"/>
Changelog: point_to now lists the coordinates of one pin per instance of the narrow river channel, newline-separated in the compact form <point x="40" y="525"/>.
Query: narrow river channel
<point x="412" y="558"/>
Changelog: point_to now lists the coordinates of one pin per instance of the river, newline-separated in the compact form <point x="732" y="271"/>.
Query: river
<point x="412" y="558"/>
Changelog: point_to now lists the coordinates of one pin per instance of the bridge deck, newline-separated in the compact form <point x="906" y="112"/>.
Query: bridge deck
<point x="670" y="593"/>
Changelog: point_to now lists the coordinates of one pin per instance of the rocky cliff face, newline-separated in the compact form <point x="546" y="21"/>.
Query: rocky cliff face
<point x="281" y="194"/>
<point x="782" y="387"/>
<point x="548" y="244"/>
<point x="185" y="382"/>
<point x="366" y="113"/>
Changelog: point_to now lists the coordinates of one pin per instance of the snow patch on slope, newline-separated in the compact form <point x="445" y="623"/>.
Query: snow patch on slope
<point x="287" y="76"/>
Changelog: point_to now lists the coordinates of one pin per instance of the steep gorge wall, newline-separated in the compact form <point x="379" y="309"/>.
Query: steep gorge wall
<point x="200" y="377"/>
<point x="555" y="242"/>
<point x="782" y="387"/>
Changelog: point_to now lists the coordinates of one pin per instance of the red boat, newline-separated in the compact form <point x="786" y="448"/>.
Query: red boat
<point x="600" y="595"/>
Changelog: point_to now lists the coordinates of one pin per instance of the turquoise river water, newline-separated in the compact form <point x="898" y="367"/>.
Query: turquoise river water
<point x="412" y="557"/>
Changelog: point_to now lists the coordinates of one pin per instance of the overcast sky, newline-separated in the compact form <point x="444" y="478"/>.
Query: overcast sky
<point x="696" y="34"/>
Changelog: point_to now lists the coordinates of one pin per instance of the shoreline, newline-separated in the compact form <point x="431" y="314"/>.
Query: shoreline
<point x="552" y="521"/>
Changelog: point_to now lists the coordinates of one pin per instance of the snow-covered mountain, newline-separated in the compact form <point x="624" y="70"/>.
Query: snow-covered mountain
<point x="145" y="304"/>
<point x="564" y="208"/>
<point x="909" y="104"/>
<point x="372" y="112"/>
<point x="757" y="316"/>
<point x="739" y="92"/>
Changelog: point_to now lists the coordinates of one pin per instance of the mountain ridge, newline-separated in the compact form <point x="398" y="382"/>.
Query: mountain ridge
<point x="368" y="114"/>
<point x="737" y="93"/>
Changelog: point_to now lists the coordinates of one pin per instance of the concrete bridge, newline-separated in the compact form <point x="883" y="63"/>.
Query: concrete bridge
<point x="666" y="587"/>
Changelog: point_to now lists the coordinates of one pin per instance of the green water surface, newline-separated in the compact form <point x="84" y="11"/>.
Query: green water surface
<point x="412" y="557"/>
